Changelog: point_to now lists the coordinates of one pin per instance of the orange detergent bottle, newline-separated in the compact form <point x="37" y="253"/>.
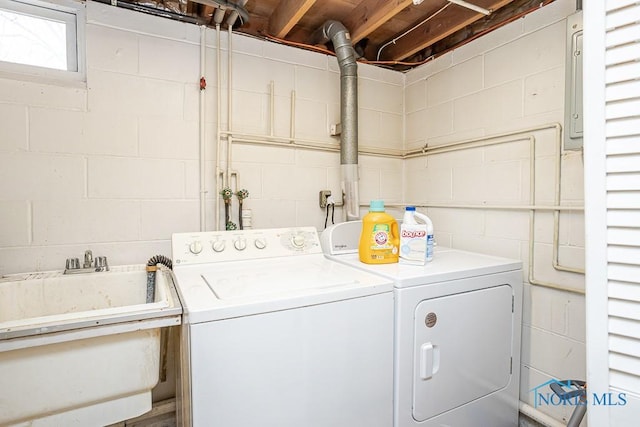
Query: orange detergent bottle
<point x="379" y="238"/>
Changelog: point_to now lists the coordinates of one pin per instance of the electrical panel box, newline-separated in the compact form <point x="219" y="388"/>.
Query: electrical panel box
<point x="573" y="126"/>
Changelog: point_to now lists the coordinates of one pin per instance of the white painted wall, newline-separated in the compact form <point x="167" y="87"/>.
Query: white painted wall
<point x="509" y="80"/>
<point x="113" y="166"/>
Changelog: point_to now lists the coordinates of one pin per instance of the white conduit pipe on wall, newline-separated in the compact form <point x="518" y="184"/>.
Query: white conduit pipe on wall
<point x="514" y="136"/>
<point x="471" y="6"/>
<point x="223" y="176"/>
<point x="480" y="142"/>
<point x="292" y="124"/>
<point x="218" y="128"/>
<point x="203" y="192"/>
<point x="229" y="103"/>
<point x="539" y="416"/>
<point x="280" y="141"/>
<point x="228" y="172"/>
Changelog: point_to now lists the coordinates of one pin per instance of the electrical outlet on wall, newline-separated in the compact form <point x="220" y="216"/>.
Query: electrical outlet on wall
<point x="324" y="194"/>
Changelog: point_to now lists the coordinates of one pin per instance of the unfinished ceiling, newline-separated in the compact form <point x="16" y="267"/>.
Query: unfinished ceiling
<point x="398" y="34"/>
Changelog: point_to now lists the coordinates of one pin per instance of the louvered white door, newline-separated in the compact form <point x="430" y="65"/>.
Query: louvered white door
<point x="612" y="180"/>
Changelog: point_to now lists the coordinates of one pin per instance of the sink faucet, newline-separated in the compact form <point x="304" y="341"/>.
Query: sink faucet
<point x="88" y="259"/>
<point x="90" y="264"/>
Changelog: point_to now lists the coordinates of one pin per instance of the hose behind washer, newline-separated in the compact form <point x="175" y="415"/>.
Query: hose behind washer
<point x="152" y="267"/>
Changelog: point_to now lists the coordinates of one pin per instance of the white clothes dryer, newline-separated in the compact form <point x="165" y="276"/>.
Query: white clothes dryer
<point x="276" y="335"/>
<point x="457" y="334"/>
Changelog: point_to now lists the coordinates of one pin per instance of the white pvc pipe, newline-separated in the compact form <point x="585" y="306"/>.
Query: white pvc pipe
<point x="294" y="142"/>
<point x="283" y="141"/>
<point x="229" y="106"/>
<point x="218" y="128"/>
<point x="471" y="6"/>
<point x="538" y="416"/>
<point x="556" y="214"/>
<point x="229" y="99"/>
<point x="228" y="171"/>
<point x="292" y="124"/>
<point x="203" y="193"/>
<point x="427" y="149"/>
<point x="489" y="207"/>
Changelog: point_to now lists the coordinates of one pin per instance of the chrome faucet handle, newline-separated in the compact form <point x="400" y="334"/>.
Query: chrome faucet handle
<point x="101" y="263"/>
<point x="88" y="259"/>
<point x="72" y="264"/>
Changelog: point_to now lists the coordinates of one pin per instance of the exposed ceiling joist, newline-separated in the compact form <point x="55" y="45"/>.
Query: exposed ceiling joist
<point x="397" y="34"/>
<point x="286" y="15"/>
<point x="207" y="11"/>
<point x="516" y="9"/>
<point x="452" y="19"/>
<point x="369" y="15"/>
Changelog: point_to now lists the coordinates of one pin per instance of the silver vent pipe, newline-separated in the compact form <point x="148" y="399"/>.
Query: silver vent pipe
<point x="341" y="39"/>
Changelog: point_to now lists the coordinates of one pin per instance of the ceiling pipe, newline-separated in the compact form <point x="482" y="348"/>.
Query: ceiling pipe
<point x="227" y="5"/>
<point x="233" y="16"/>
<point x="218" y="16"/>
<point x="338" y="34"/>
<point x="471" y="6"/>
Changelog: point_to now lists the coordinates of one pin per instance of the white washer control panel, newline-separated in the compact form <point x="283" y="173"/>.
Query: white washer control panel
<point x="235" y="245"/>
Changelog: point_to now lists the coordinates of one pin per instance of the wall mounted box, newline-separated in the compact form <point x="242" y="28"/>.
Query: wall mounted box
<point x="573" y="127"/>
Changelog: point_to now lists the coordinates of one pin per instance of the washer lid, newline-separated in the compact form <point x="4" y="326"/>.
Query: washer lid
<point x="448" y="264"/>
<point x="241" y="288"/>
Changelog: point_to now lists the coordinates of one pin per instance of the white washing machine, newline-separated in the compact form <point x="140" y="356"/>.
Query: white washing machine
<point x="457" y="334"/>
<point x="277" y="335"/>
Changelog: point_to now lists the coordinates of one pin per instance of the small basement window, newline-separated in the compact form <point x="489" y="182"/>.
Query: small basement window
<point x="41" y="39"/>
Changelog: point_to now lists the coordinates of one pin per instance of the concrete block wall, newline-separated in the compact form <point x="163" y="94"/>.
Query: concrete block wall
<point x="507" y="81"/>
<point x="113" y="165"/>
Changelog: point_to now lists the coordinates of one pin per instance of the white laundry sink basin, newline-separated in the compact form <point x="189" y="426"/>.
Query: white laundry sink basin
<point x="80" y="350"/>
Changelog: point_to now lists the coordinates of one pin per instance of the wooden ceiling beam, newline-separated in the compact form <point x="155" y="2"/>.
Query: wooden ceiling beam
<point x="207" y="12"/>
<point x="286" y="15"/>
<point x="371" y="14"/>
<point x="446" y="23"/>
<point x="516" y="10"/>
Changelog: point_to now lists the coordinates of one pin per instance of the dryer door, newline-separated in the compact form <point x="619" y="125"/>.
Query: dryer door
<point x="462" y="349"/>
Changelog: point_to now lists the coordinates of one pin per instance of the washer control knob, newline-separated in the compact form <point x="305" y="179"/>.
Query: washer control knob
<point x="298" y="240"/>
<point x="218" y="246"/>
<point x="240" y="244"/>
<point x="260" y="243"/>
<point x="195" y="247"/>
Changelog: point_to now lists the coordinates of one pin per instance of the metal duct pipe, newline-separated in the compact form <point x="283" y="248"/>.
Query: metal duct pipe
<point x="346" y="55"/>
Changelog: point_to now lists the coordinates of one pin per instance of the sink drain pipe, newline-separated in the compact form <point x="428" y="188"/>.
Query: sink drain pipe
<point x="346" y="55"/>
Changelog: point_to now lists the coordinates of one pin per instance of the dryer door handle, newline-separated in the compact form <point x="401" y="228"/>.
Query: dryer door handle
<point x="429" y="360"/>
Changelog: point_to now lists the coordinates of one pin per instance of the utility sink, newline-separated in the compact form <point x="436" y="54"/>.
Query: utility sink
<point x="81" y="350"/>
